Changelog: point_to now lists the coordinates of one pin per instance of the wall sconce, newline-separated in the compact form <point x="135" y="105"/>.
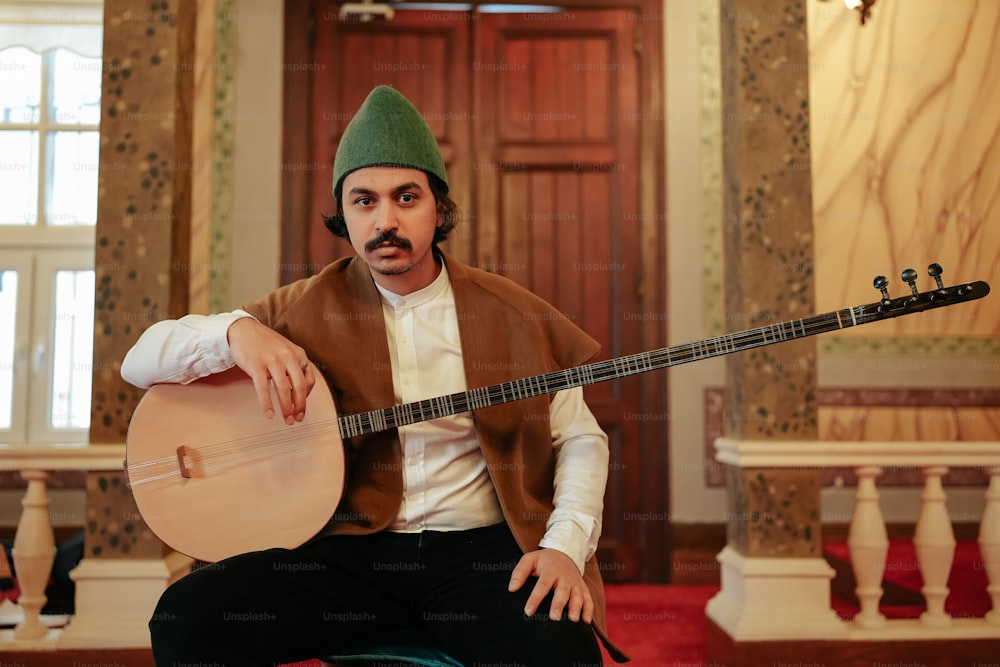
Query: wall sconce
<point x="864" y="8"/>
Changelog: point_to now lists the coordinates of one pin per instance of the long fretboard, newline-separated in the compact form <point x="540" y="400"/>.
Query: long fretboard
<point x="601" y="371"/>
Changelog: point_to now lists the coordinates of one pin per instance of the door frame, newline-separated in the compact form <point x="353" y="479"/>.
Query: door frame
<point x="655" y="538"/>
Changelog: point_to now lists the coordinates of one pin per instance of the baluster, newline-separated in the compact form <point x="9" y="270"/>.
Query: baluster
<point x="935" y="546"/>
<point x="34" y="553"/>
<point x="868" y="543"/>
<point x="989" y="544"/>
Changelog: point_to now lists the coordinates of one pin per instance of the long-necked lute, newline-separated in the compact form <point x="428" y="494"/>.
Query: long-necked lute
<point x="213" y="477"/>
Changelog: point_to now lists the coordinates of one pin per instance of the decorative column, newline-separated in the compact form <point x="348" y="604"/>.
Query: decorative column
<point x="148" y="260"/>
<point x="773" y="574"/>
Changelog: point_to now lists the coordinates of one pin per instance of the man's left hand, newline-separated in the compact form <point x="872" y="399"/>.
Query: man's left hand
<point x="558" y="573"/>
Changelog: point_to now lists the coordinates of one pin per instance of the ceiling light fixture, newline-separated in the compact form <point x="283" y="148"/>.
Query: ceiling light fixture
<point x="366" y="10"/>
<point x="863" y="7"/>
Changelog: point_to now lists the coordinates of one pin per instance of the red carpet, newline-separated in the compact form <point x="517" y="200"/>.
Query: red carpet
<point x="659" y="626"/>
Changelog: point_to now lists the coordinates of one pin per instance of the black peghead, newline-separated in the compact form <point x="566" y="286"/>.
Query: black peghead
<point x="935" y="271"/>
<point x="909" y="277"/>
<point x="882" y="284"/>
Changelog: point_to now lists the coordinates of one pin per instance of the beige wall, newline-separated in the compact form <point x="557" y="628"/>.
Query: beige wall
<point x="693" y="169"/>
<point x="256" y="184"/>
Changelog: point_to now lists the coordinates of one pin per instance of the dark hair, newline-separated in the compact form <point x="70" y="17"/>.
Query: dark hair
<point x="446" y="208"/>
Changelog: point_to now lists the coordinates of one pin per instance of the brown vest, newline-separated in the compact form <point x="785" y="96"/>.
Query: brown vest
<point x="507" y="333"/>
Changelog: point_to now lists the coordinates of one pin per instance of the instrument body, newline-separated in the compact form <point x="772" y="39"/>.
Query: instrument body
<point x="213" y="477"/>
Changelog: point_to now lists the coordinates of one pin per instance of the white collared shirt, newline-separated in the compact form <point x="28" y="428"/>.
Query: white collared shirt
<point x="447" y="485"/>
<point x="445" y="480"/>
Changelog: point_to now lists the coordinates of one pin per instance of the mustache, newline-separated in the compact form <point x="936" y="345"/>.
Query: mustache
<point x="388" y="236"/>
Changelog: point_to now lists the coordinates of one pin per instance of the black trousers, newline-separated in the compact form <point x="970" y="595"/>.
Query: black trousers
<point x="277" y="606"/>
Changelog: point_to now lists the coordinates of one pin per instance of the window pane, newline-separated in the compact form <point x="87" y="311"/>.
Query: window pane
<point x="73" y="349"/>
<point x="18" y="178"/>
<point x="76" y="89"/>
<point x="20" y="85"/>
<point x="73" y="193"/>
<point x="8" y="304"/>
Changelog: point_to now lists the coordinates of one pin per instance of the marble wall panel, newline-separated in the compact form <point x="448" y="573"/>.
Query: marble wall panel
<point x="906" y="156"/>
<point x="905" y="165"/>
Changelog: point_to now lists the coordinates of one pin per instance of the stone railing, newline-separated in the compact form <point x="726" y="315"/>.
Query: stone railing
<point x="775" y="598"/>
<point x="34" y="542"/>
<point x="114" y="597"/>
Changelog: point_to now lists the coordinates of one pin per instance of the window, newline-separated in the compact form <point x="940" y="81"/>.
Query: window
<point x="50" y="87"/>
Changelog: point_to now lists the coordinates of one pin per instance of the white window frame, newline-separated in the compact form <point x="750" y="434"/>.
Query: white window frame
<point x="36" y="266"/>
<point x="38" y="251"/>
<point x="21" y="263"/>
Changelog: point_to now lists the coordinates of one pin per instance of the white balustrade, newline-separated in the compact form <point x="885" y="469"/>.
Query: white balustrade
<point x="989" y="543"/>
<point x="34" y="545"/>
<point x="34" y="552"/>
<point x="934" y="541"/>
<point x="868" y="543"/>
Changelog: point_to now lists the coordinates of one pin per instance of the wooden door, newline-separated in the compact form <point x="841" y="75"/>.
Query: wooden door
<point x="540" y="120"/>
<point x="556" y="168"/>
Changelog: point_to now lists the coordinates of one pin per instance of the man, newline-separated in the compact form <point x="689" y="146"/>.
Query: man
<point x="478" y="530"/>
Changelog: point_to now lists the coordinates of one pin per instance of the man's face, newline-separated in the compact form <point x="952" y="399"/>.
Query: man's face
<point x="391" y="217"/>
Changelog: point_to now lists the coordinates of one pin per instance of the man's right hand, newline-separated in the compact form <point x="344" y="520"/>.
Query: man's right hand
<point x="270" y="358"/>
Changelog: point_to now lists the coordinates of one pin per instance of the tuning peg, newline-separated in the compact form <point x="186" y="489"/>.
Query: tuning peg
<point x="935" y="271"/>
<point x="909" y="277"/>
<point x="882" y="284"/>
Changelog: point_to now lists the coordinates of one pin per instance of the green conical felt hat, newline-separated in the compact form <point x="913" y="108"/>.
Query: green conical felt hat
<point x="387" y="131"/>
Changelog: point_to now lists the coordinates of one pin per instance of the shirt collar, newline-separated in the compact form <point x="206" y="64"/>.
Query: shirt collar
<point x="421" y="296"/>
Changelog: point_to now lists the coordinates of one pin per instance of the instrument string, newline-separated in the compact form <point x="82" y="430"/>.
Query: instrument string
<point x="597" y="372"/>
<point x="234" y="452"/>
<point x="241" y="446"/>
<point x="167" y="468"/>
<point x="258" y="447"/>
<point x="262" y="446"/>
